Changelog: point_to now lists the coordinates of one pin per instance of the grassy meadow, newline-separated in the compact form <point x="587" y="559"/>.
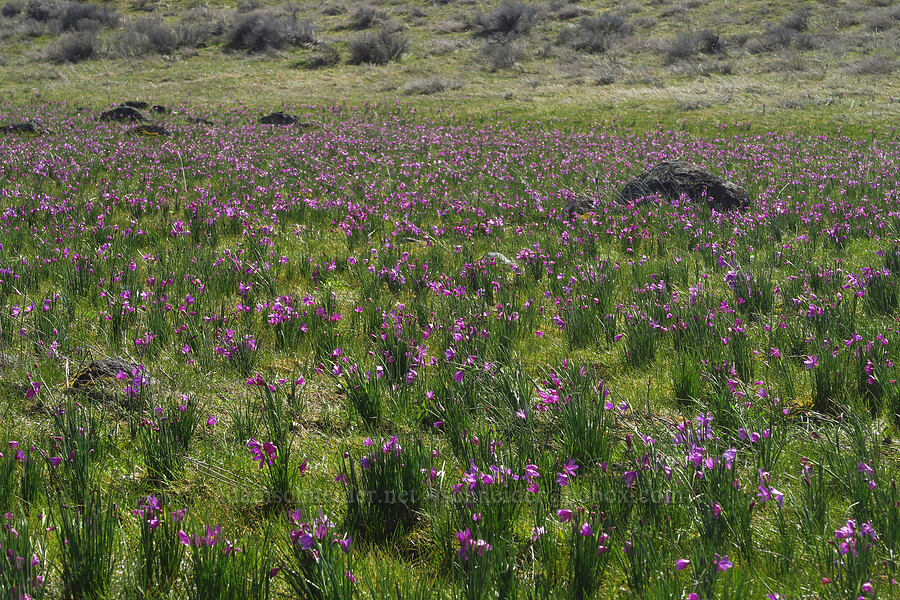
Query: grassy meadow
<point x="372" y="355"/>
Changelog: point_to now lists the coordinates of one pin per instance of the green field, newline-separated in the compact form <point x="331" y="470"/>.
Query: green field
<point x="376" y="353"/>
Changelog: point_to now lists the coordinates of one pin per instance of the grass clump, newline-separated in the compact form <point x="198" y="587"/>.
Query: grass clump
<point x="428" y="85"/>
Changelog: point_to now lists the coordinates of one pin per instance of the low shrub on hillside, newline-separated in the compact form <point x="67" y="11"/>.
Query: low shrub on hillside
<point x="882" y="19"/>
<point x="198" y="27"/>
<point x="144" y="5"/>
<point x="40" y="10"/>
<point x="377" y="48"/>
<point x="689" y="44"/>
<point x="31" y="28"/>
<point x="874" y="65"/>
<point x="73" y="47"/>
<point x="511" y="18"/>
<point x="598" y="33"/>
<point x="502" y="55"/>
<point x="146" y="36"/>
<point x="334" y="9"/>
<point x="261" y="30"/>
<point x="323" y="56"/>
<point x="365" y="16"/>
<point x="790" y="30"/>
<point x="245" y="6"/>
<point x="12" y="8"/>
<point x="77" y="16"/>
<point x="797" y="20"/>
<point x="570" y="11"/>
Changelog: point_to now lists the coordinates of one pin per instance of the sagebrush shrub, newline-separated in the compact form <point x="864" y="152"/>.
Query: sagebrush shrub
<point x="598" y="33"/>
<point x="882" y="19"/>
<point x="334" y="9"/>
<point x="198" y="27"/>
<point x="683" y="46"/>
<point x="377" y="48"/>
<point x="73" y="47"/>
<point x="842" y="20"/>
<point x="144" y="37"/>
<point x="31" y="28"/>
<point x="569" y="11"/>
<point x="12" y="8"/>
<point x="797" y="20"/>
<point x="511" y="18"/>
<point x="365" y="16"/>
<point x="76" y="16"/>
<point x="709" y="42"/>
<point x="40" y="11"/>
<point x="502" y="55"/>
<point x="245" y="6"/>
<point x="143" y="5"/>
<point x="262" y="30"/>
<point x="323" y="56"/>
<point x="781" y="35"/>
<point x="874" y="65"/>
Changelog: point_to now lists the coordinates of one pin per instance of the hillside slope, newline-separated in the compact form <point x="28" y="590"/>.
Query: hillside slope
<point x="808" y="63"/>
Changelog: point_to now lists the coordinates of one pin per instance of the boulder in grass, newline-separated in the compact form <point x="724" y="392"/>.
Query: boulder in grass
<point x="199" y="121"/>
<point x="106" y="379"/>
<point x="580" y="205"/>
<point x="673" y="178"/>
<point x="584" y="203"/>
<point x="123" y="113"/>
<point x="149" y="130"/>
<point x="140" y="104"/>
<point x="159" y="109"/>
<point x="25" y="127"/>
<point x="277" y="118"/>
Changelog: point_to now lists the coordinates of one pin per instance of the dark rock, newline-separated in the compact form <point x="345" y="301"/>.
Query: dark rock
<point x="152" y="130"/>
<point x="136" y="104"/>
<point x="277" y="118"/>
<point x="584" y="203"/>
<point x="580" y="206"/>
<point x="199" y="121"/>
<point x="122" y="113"/>
<point x="103" y="368"/>
<point x="671" y="179"/>
<point x="26" y="127"/>
<point x="160" y="109"/>
<point x="105" y="379"/>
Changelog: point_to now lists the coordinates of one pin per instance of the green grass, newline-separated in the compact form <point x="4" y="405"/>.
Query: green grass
<point x="556" y="86"/>
<point x="774" y="550"/>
